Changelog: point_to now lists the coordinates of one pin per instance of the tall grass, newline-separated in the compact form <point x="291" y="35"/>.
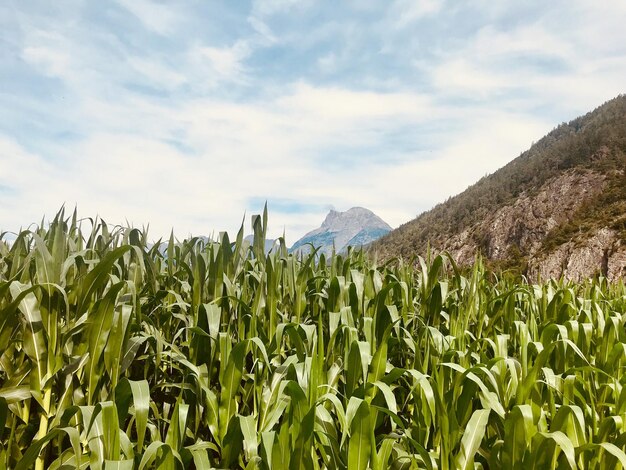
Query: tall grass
<point x="118" y="354"/>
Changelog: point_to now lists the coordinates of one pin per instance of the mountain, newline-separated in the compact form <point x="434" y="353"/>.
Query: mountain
<point x="269" y="243"/>
<point x="355" y="227"/>
<point x="559" y="209"/>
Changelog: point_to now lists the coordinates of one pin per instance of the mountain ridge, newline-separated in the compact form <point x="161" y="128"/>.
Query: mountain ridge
<point x="559" y="209"/>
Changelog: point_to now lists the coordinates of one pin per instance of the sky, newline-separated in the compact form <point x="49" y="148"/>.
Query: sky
<point x="191" y="114"/>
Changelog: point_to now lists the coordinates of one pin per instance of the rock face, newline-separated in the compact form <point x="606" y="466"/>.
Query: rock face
<point x="526" y="224"/>
<point x="603" y="253"/>
<point x="355" y="227"/>
<point x="558" y="210"/>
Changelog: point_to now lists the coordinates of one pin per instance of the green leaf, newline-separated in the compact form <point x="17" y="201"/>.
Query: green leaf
<point x="199" y="453"/>
<point x="546" y="444"/>
<point x="28" y="459"/>
<point x="301" y="457"/>
<point x="518" y="432"/>
<point x="378" y="365"/>
<point x="98" y="277"/>
<point x="178" y="425"/>
<point x="119" y="464"/>
<point x="230" y="385"/>
<point x="139" y="392"/>
<point x="110" y="430"/>
<point x="472" y="437"/>
<point x="384" y="454"/>
<point x="151" y="455"/>
<point x="4" y="410"/>
<point x="248" y="430"/>
<point x="267" y="447"/>
<point x="360" y="444"/>
<point x="34" y="336"/>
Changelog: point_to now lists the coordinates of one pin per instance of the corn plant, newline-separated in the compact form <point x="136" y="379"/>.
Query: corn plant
<point x="115" y="353"/>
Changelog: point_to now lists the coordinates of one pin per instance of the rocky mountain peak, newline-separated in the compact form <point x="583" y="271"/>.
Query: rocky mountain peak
<point x="353" y="218"/>
<point x="357" y="226"/>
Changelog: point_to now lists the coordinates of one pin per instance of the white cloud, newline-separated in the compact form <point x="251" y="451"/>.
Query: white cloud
<point x="47" y="51"/>
<point x="408" y="11"/>
<point x="52" y="61"/>
<point x="494" y="61"/>
<point x="488" y="143"/>
<point x="529" y="40"/>
<point x="262" y="29"/>
<point x="155" y="16"/>
<point x="155" y="71"/>
<point x="223" y="63"/>
<point x="460" y="76"/>
<point x="328" y="62"/>
<point x="239" y="151"/>
<point x="338" y="103"/>
<point x="562" y="57"/>
<point x="270" y="7"/>
<point x="29" y="182"/>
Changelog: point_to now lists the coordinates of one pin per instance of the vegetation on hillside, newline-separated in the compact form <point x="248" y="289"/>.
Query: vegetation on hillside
<point x="596" y="141"/>
<point x="210" y="354"/>
<point x="607" y="209"/>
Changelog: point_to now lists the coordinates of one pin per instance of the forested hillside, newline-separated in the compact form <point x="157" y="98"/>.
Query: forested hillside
<point x="567" y="192"/>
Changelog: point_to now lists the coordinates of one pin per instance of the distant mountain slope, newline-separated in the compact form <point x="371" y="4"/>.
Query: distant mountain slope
<point x="355" y="227"/>
<point x="558" y="209"/>
<point x="269" y="243"/>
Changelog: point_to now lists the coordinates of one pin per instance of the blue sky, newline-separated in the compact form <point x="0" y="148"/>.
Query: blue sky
<point x="189" y="114"/>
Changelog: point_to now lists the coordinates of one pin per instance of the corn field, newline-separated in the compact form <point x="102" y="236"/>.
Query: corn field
<point x="116" y="354"/>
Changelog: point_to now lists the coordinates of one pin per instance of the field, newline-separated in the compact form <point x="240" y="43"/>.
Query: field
<point x="115" y="354"/>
